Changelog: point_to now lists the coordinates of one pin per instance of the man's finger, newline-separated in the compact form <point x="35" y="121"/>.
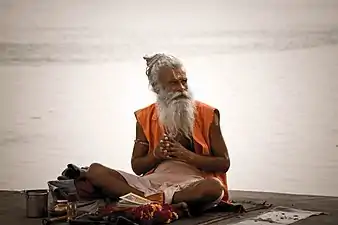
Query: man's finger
<point x="172" y="156"/>
<point x="177" y="144"/>
<point x="175" y="153"/>
<point x="174" y="144"/>
<point x="167" y="138"/>
<point x="164" y="151"/>
<point x="169" y="156"/>
<point x="173" y="149"/>
<point x="165" y="144"/>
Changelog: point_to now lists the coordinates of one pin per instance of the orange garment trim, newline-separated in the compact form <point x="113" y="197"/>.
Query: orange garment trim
<point x="148" y="119"/>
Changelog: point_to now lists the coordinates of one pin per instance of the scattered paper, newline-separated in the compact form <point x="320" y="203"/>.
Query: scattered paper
<point x="280" y="215"/>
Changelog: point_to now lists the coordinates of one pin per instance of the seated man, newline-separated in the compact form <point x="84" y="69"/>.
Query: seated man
<point x="179" y="152"/>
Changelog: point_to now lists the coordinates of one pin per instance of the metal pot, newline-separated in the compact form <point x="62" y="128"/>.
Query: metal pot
<point x="36" y="203"/>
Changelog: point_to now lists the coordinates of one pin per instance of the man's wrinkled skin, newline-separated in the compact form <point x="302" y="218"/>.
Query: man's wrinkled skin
<point x="173" y="86"/>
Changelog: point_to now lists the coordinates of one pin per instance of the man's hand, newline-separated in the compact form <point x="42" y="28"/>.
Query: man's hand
<point x="161" y="151"/>
<point x="178" y="152"/>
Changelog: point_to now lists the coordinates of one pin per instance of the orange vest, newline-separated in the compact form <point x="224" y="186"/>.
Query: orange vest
<point x="148" y="119"/>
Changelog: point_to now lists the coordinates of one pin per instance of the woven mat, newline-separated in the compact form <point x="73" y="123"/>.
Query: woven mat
<point x="217" y="217"/>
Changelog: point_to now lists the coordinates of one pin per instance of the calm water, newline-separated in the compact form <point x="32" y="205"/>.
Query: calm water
<point x="71" y="76"/>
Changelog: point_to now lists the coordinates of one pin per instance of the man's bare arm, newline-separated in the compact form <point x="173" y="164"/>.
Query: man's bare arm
<point x="141" y="161"/>
<point x="220" y="161"/>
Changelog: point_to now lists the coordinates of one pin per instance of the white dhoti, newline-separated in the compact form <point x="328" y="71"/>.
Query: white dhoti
<point x="169" y="177"/>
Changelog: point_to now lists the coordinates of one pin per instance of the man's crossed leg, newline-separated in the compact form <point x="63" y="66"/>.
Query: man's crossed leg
<point x="199" y="194"/>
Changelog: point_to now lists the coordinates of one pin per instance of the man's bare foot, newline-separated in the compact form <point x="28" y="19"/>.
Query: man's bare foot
<point x="181" y="209"/>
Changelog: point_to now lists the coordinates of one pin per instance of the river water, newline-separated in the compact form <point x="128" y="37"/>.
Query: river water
<point x="72" y="74"/>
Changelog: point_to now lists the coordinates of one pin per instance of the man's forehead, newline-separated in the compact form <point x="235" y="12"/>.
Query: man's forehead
<point x="173" y="73"/>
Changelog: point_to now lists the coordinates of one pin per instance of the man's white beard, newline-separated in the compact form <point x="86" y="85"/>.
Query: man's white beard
<point x="176" y="113"/>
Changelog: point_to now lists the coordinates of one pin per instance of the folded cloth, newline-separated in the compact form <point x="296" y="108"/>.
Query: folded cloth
<point x="79" y="185"/>
<point x="61" y="189"/>
<point x="64" y="189"/>
<point x="72" y="172"/>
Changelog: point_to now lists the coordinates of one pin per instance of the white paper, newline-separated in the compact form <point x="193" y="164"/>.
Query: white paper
<point x="280" y="215"/>
<point x="134" y="199"/>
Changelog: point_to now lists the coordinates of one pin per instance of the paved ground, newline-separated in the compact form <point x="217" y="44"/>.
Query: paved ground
<point x="12" y="207"/>
<point x="313" y="203"/>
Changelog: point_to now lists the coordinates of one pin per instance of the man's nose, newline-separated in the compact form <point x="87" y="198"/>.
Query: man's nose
<point x="181" y="87"/>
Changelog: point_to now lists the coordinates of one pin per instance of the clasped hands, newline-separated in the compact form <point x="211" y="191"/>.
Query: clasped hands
<point x="171" y="149"/>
